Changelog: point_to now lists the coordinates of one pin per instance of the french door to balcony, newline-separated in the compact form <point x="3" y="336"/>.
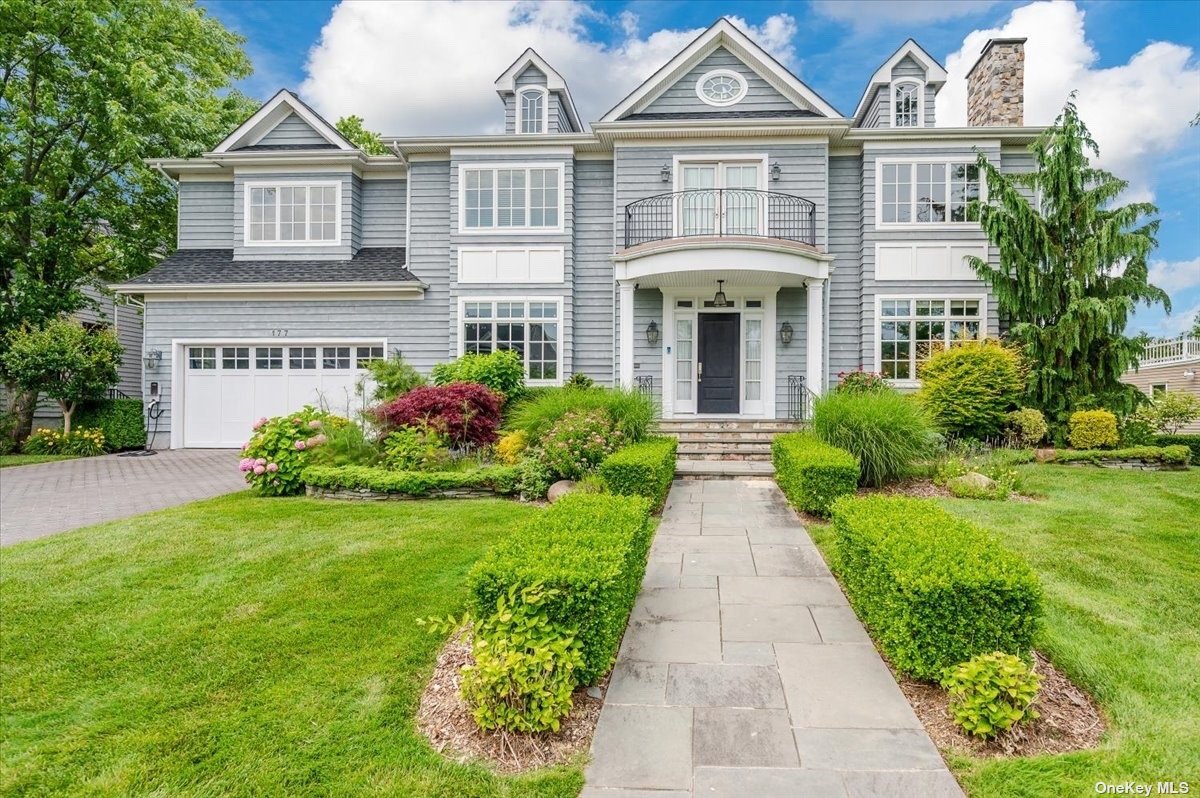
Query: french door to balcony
<point x="720" y="198"/>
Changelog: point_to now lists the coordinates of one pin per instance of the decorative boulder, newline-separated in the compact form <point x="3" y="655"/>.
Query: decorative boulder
<point x="973" y="479"/>
<point x="560" y="489"/>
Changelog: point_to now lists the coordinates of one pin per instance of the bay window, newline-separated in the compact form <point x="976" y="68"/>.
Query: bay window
<point x="528" y="327"/>
<point x="912" y="329"/>
<point x="287" y="214"/>
<point x="511" y="198"/>
<point x="928" y="192"/>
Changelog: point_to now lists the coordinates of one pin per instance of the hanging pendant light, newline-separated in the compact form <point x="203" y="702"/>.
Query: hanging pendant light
<point x="719" y="300"/>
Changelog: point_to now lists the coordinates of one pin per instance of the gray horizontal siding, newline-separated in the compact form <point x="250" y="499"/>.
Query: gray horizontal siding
<point x="350" y="218"/>
<point x="681" y="96"/>
<point x="879" y="112"/>
<point x="844" y="323"/>
<point x="429" y="258"/>
<point x="648" y="358"/>
<point x="384" y="203"/>
<point x="791" y="305"/>
<point x="291" y="132"/>
<point x="206" y="215"/>
<point x="593" y="286"/>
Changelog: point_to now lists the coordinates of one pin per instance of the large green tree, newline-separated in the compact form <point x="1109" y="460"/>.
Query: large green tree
<point x="1073" y="266"/>
<point x="89" y="89"/>
<point x="357" y="134"/>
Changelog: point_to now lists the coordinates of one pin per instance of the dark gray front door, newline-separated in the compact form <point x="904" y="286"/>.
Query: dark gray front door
<point x="718" y="363"/>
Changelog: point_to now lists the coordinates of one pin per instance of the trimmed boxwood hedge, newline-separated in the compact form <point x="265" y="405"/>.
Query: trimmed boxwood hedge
<point x="591" y="548"/>
<point x="643" y="469"/>
<point x="121" y="420"/>
<point x="813" y="474"/>
<point x="1167" y="455"/>
<point x="934" y="590"/>
<point x="501" y="479"/>
<point x="1190" y="441"/>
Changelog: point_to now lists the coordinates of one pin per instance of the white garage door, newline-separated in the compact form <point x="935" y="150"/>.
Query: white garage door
<point x="227" y="387"/>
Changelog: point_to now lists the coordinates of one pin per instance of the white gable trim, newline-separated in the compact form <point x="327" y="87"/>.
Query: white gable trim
<point x="723" y="33"/>
<point x="935" y="73"/>
<point x="278" y="108"/>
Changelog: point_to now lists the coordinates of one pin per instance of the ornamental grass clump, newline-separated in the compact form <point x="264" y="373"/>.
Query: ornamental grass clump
<point x="631" y="412"/>
<point x="279" y="449"/>
<point x="885" y="430"/>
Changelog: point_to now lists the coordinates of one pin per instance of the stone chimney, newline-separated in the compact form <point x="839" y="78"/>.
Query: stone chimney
<point x="996" y="85"/>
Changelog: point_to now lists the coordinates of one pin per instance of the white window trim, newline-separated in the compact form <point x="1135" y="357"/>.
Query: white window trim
<point x="945" y="159"/>
<point x="463" y="168"/>
<point x="740" y="79"/>
<point x="557" y="299"/>
<point x="337" y="216"/>
<point x="895" y="84"/>
<point x="545" y="109"/>
<point x="881" y="298"/>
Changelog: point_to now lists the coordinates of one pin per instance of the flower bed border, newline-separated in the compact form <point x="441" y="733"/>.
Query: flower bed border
<point x="1144" y="458"/>
<point x="362" y="483"/>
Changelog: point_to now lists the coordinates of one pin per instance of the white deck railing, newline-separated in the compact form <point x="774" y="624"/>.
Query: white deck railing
<point x="1173" y="350"/>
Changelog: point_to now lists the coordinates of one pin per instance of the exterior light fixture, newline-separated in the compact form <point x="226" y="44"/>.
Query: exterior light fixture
<point x="152" y="359"/>
<point x="1190" y="374"/>
<point x="652" y="333"/>
<point x="719" y="300"/>
<point x="785" y="333"/>
<point x="776" y="171"/>
<point x="665" y="173"/>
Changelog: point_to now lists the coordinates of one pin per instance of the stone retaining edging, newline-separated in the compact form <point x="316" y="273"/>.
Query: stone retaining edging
<point x="366" y="494"/>
<point x="1136" y="465"/>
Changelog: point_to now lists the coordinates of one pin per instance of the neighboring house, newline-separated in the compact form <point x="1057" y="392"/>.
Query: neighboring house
<point x="723" y="237"/>
<point x="1169" y="365"/>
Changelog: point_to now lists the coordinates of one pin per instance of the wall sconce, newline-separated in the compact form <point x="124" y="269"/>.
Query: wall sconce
<point x="1190" y="374"/>
<point x="152" y="359"/>
<point x="785" y="333"/>
<point x="664" y="174"/>
<point x="652" y="333"/>
<point x="776" y="171"/>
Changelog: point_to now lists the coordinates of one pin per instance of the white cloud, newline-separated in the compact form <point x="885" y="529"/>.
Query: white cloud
<point x="1135" y="111"/>
<point x="1175" y="276"/>
<point x="872" y="14"/>
<point x="427" y="67"/>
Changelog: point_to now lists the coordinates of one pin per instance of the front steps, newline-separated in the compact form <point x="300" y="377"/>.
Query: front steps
<point x="724" y="448"/>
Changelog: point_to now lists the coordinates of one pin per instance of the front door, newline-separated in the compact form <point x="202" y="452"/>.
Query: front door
<point x="717" y="364"/>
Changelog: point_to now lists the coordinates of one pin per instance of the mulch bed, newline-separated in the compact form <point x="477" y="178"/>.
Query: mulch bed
<point x="446" y="721"/>
<point x="1069" y="719"/>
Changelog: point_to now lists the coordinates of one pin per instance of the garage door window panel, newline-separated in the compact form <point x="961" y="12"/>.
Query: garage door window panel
<point x="302" y="357"/>
<point x="268" y="358"/>
<point x="202" y="358"/>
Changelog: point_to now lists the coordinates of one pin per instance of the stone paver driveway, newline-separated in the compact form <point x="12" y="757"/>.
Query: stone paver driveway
<point x="744" y="672"/>
<point x="39" y="500"/>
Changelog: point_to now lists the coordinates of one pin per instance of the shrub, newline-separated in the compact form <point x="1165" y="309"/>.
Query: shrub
<point x="579" y="380"/>
<point x="1167" y="455"/>
<point x="501" y="480"/>
<point x="1172" y="411"/>
<point x="885" y="430"/>
<point x="278" y="450"/>
<point x="466" y="413"/>
<point x="80" y="442"/>
<point x="968" y="388"/>
<point x="1093" y="429"/>
<point x="391" y="377"/>
<point x="577" y="443"/>
<point x="861" y="382"/>
<point x="1027" y="426"/>
<point x="1137" y="428"/>
<point x="1190" y="441"/>
<point x="812" y="474"/>
<point x="991" y="693"/>
<point x="996" y="465"/>
<point x="643" y="469"/>
<point x="345" y="444"/>
<point x="533" y="478"/>
<point x="630" y="411"/>
<point x="121" y="420"/>
<point x="934" y="590"/>
<point x="510" y="448"/>
<point x="524" y="666"/>
<point x="502" y="371"/>
<point x="589" y="548"/>
<point x="419" y="448"/>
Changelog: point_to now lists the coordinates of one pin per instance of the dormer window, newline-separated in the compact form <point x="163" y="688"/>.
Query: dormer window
<point x="292" y="213"/>
<point x="907" y="104"/>
<point x="531" y="110"/>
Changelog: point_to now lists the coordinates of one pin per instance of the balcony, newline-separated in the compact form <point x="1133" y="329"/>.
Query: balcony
<point x="720" y="213"/>
<point x="1183" y="349"/>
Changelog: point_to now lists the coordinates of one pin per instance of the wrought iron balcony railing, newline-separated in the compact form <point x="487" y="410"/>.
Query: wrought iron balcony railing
<point x="720" y="212"/>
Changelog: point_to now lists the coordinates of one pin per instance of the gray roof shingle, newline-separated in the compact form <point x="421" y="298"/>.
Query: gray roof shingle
<point x="217" y="267"/>
<point x="788" y="114"/>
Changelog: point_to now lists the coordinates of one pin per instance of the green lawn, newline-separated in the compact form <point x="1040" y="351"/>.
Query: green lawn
<point x="7" y="460"/>
<point x="240" y="646"/>
<point x="1118" y="553"/>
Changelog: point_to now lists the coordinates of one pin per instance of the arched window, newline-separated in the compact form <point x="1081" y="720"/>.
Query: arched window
<point x="906" y="105"/>
<point x="533" y="111"/>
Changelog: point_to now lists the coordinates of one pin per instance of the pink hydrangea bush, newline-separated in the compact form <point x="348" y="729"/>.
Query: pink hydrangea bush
<point x="276" y="452"/>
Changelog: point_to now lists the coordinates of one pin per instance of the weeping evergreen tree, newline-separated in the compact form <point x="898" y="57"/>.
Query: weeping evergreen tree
<point x="1071" y="271"/>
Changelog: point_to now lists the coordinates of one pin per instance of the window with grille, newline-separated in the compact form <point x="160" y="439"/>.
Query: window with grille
<point x="526" y="198"/>
<point x="528" y="327"/>
<point x="910" y="330"/>
<point x="907" y="108"/>
<point x="287" y="214"/>
<point x="533" y="111"/>
<point x="928" y="193"/>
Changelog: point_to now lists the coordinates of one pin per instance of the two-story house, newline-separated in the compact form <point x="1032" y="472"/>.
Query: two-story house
<point x="723" y="237"/>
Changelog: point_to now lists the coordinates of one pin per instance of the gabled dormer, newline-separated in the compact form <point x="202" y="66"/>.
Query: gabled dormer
<point x="536" y="98"/>
<point x="285" y="122"/>
<point x="903" y="91"/>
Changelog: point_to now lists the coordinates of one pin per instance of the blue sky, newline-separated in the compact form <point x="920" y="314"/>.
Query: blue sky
<point x="426" y="67"/>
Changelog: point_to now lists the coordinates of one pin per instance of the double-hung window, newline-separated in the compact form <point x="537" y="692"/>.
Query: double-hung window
<point x="928" y="192"/>
<point x="292" y="214"/>
<point x="511" y="198"/>
<point x="533" y="111"/>
<point x="528" y="327"/>
<point x="910" y="330"/>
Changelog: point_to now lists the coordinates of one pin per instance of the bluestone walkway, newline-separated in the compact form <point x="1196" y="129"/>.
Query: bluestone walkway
<point x="40" y="500"/>
<point x="744" y="672"/>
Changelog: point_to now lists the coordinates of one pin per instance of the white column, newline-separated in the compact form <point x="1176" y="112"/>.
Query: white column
<point x="626" y="301"/>
<point x="815" y="376"/>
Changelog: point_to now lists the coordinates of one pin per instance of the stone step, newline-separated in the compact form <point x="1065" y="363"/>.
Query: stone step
<point x="723" y="456"/>
<point x="723" y="469"/>
<point x="699" y="436"/>
<point x="725" y="446"/>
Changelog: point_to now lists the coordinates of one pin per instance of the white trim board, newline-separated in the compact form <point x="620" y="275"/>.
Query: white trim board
<point x="927" y="260"/>
<point x="512" y="265"/>
<point x="274" y="111"/>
